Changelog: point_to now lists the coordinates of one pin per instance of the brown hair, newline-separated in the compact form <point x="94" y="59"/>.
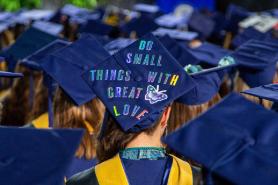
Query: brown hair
<point x="113" y="139"/>
<point x="182" y="114"/>
<point x="68" y="115"/>
<point x="40" y="103"/>
<point x="242" y="86"/>
<point x="16" y="104"/>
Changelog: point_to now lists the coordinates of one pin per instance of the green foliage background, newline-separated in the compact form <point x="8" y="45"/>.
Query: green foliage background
<point x="13" y="5"/>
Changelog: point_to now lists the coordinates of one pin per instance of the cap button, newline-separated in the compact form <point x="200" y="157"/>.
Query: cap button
<point x="138" y="78"/>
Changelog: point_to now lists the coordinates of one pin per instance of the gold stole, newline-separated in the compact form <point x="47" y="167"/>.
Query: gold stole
<point x="41" y="121"/>
<point x="111" y="172"/>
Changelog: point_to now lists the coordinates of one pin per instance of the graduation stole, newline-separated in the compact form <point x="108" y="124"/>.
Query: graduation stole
<point x="112" y="172"/>
<point x="41" y="121"/>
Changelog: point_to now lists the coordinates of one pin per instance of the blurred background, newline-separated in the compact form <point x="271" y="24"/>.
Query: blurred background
<point x="165" y="5"/>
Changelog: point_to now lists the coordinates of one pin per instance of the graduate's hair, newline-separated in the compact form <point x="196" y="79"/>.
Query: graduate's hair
<point x="16" y="104"/>
<point x="182" y="114"/>
<point x="242" y="86"/>
<point x="40" y="103"/>
<point x="68" y="115"/>
<point x="113" y="139"/>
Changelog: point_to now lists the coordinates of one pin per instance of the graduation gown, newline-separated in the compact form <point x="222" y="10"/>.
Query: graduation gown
<point x="111" y="172"/>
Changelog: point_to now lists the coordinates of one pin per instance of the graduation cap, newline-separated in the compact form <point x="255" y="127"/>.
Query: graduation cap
<point x="208" y="82"/>
<point x="234" y="15"/>
<point x="4" y="74"/>
<point x="141" y="25"/>
<point x="146" y="8"/>
<point x="96" y="27"/>
<point x="66" y="66"/>
<point x="176" y="34"/>
<point x="34" y="156"/>
<point x="209" y="53"/>
<point x="33" y="61"/>
<point x="48" y="27"/>
<point x="71" y="10"/>
<point x="36" y="14"/>
<point x="236" y="139"/>
<point x="117" y="44"/>
<point x="246" y="35"/>
<point x="257" y="61"/>
<point x="199" y="21"/>
<point x="181" y="54"/>
<point x="171" y="20"/>
<point x="138" y="82"/>
<point x="267" y="92"/>
<point x="28" y="42"/>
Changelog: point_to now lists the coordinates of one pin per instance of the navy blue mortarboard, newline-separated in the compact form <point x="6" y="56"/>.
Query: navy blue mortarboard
<point x="33" y="60"/>
<point x="34" y="156"/>
<point x="48" y="27"/>
<point x="141" y="25"/>
<point x="66" y="66"/>
<point x="208" y="82"/>
<point x="180" y="53"/>
<point x="171" y="21"/>
<point x="209" y="53"/>
<point x="118" y="44"/>
<point x="257" y="61"/>
<point x="146" y="8"/>
<point x="268" y="92"/>
<point x="35" y="14"/>
<point x="246" y="35"/>
<point x="234" y="15"/>
<point x="28" y="42"/>
<point x="4" y="74"/>
<point x="176" y="34"/>
<point x="71" y="10"/>
<point x="201" y="24"/>
<point x="236" y="139"/>
<point x="138" y="82"/>
<point x="96" y="27"/>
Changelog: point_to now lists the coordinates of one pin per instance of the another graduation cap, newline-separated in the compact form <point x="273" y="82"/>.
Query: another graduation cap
<point x="208" y="82"/>
<point x="66" y="66"/>
<point x="49" y="27"/>
<point x="181" y="54"/>
<point x="236" y="139"/>
<point x="138" y="82"/>
<point x="257" y="61"/>
<point x="267" y="92"/>
<point x="34" y="156"/>
<point x="209" y="53"/>
<point x="149" y="10"/>
<point x="248" y="34"/>
<point x="202" y="24"/>
<point x="118" y="44"/>
<point x="28" y="42"/>
<point x="33" y="62"/>
<point x="141" y="25"/>
<point x="176" y="34"/>
<point x="96" y="27"/>
<point x="234" y="15"/>
<point x="71" y="10"/>
<point x="4" y="74"/>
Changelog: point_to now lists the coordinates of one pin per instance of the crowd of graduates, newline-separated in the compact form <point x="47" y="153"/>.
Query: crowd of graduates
<point x="140" y="97"/>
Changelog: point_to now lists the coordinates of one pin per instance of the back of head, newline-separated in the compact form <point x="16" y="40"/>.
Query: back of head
<point x="17" y="104"/>
<point x="88" y="116"/>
